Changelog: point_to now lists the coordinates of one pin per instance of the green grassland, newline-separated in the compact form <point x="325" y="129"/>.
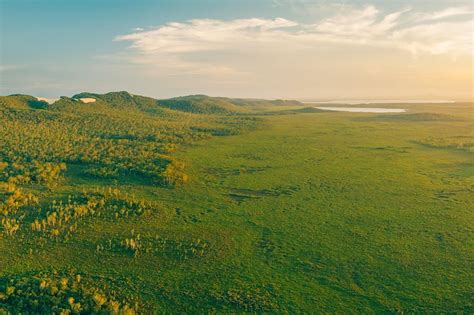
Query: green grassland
<point x="195" y="204"/>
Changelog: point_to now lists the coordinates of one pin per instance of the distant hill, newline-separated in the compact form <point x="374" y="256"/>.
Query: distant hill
<point x="19" y="101"/>
<point x="121" y="100"/>
<point x="251" y="102"/>
<point x="208" y="104"/>
<point x="198" y="104"/>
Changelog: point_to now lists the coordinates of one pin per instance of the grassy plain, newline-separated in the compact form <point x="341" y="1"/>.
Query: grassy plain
<point x="306" y="212"/>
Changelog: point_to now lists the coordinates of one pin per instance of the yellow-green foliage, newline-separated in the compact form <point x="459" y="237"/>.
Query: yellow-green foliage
<point x="462" y="143"/>
<point x="249" y="300"/>
<point x="23" y="172"/>
<point x="61" y="218"/>
<point x="174" y="174"/>
<point x="130" y="143"/>
<point x="176" y="249"/>
<point x="61" y="293"/>
<point x="12" y="200"/>
<point x="102" y="172"/>
<point x="132" y="244"/>
<point x="10" y="225"/>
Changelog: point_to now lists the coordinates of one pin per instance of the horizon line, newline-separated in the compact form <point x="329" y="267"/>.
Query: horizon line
<point x="306" y="100"/>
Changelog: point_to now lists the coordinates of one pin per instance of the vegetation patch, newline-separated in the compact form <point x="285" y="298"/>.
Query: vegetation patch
<point x="241" y="194"/>
<point x="257" y="299"/>
<point x="61" y="218"/>
<point x="177" y="250"/>
<point x="384" y="148"/>
<point x="225" y="172"/>
<point x="461" y="143"/>
<point x="102" y="172"/>
<point x="62" y="293"/>
<point x="413" y="117"/>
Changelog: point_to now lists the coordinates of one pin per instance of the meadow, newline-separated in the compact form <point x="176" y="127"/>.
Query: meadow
<point x="132" y="205"/>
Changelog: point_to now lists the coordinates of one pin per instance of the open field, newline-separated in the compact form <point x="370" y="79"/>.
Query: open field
<point x="275" y="210"/>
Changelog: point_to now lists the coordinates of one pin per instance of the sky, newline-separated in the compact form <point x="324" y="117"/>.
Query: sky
<point x="293" y="49"/>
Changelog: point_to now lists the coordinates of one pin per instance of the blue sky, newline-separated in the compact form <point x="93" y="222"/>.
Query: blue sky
<point x="267" y="48"/>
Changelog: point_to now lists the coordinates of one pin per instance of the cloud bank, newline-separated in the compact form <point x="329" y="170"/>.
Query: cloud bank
<point x="236" y="50"/>
<point x="416" y="32"/>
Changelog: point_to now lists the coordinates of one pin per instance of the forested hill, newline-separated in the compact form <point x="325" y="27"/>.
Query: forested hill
<point x="19" y="101"/>
<point x="107" y="136"/>
<point x="200" y="104"/>
<point x="207" y="104"/>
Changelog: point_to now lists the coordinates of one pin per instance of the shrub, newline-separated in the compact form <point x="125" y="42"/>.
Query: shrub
<point x="61" y="293"/>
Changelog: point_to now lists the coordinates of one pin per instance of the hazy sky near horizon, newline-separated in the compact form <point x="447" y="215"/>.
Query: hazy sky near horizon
<point x="303" y="49"/>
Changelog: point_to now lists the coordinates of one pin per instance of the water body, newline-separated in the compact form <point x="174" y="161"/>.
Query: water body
<point x="364" y="109"/>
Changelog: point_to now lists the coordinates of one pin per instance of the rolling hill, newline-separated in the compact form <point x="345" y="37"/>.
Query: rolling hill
<point x="199" y="104"/>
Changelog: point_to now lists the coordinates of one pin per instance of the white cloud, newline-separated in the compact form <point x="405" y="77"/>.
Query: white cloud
<point x="349" y="23"/>
<point x="202" y="35"/>
<point x="272" y="50"/>
<point x="440" y="38"/>
<point x="406" y="30"/>
<point x="446" y="13"/>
